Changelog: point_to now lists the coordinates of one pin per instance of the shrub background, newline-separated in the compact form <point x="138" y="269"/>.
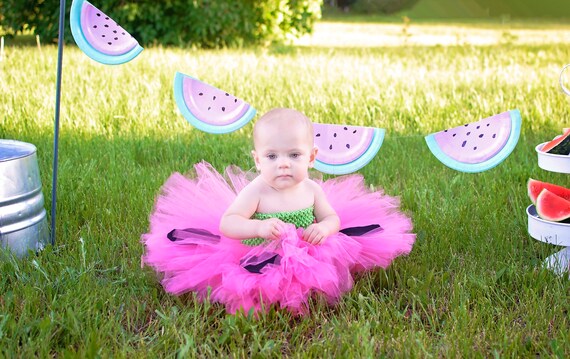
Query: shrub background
<point x="522" y="9"/>
<point x="196" y="23"/>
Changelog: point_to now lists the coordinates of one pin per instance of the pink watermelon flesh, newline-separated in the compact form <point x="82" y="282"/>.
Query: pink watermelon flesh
<point x="210" y="104"/>
<point x="339" y="144"/>
<point x="535" y="187"/>
<point x="478" y="141"/>
<point x="551" y="207"/>
<point x="557" y="141"/>
<point x="104" y="34"/>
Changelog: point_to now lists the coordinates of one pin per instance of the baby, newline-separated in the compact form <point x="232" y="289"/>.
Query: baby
<point x="284" y="152"/>
<point x="273" y="241"/>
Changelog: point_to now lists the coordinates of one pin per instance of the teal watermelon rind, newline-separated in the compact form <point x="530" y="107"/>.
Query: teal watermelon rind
<point x="353" y="166"/>
<point x="509" y="146"/>
<point x="85" y="46"/>
<point x="202" y="126"/>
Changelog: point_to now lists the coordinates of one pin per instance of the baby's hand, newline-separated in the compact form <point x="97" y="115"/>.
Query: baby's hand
<point x="315" y="234"/>
<point x="271" y="228"/>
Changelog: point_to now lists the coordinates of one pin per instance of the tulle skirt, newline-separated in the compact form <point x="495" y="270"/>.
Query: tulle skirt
<point x="185" y="247"/>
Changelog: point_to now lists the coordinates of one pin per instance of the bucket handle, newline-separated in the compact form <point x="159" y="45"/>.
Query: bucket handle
<point x="564" y="88"/>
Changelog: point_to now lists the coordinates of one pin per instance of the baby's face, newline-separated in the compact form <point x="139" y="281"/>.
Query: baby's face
<point x="283" y="153"/>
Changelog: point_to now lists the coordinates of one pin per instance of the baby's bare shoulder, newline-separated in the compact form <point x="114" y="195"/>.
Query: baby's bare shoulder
<point x="253" y="188"/>
<point x="313" y="186"/>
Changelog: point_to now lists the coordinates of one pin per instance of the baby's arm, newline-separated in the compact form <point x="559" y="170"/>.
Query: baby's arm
<point x="236" y="222"/>
<point x="328" y="222"/>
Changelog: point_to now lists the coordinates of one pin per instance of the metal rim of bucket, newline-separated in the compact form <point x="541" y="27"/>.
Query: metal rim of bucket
<point x="30" y="149"/>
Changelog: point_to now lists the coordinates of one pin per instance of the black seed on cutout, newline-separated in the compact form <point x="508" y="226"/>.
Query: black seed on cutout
<point x="106" y="18"/>
<point x="345" y="128"/>
<point x="235" y="100"/>
<point x="318" y="135"/>
<point x="209" y="108"/>
<point x="475" y="148"/>
<point x="110" y="43"/>
<point x="478" y="127"/>
<point x="98" y="14"/>
<point x="102" y="35"/>
<point x="114" y="31"/>
<point x="455" y="134"/>
<point x="106" y="25"/>
<point x="354" y="131"/>
<point x="466" y="125"/>
<point x="116" y="38"/>
<point x="488" y="124"/>
<point x="468" y="133"/>
<point x="223" y="109"/>
<point x="481" y="136"/>
<point x="334" y="135"/>
<point x="464" y="143"/>
<point x="94" y="26"/>
<point x="494" y="135"/>
<point x="347" y="145"/>
<point x="201" y="94"/>
<point x="444" y="130"/>
<point x="123" y="33"/>
<point x="227" y="94"/>
<point x="214" y="98"/>
<point x="330" y="147"/>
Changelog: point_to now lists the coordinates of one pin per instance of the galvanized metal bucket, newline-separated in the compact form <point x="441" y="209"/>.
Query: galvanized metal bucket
<point x="23" y="224"/>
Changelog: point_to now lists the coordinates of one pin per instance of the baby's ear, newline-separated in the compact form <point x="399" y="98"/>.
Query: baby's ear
<point x="313" y="156"/>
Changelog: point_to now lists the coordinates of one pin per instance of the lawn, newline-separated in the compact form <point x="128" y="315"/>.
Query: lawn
<point x="473" y="284"/>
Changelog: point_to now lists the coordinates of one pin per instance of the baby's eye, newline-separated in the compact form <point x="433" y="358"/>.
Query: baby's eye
<point x="271" y="156"/>
<point x="295" y="155"/>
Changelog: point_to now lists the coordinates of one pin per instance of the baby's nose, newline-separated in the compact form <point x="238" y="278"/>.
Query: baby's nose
<point x="284" y="162"/>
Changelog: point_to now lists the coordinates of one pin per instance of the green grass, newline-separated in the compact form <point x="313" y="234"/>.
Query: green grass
<point x="472" y="286"/>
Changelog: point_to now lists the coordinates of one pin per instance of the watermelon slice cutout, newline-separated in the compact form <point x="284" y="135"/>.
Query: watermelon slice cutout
<point x="208" y="108"/>
<point x="345" y="149"/>
<point x="99" y="36"/>
<point x="478" y="146"/>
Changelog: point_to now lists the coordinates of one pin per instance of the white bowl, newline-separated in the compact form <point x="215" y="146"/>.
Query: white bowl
<point x="547" y="231"/>
<point x="551" y="162"/>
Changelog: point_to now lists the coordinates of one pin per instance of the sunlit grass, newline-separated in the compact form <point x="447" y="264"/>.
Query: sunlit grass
<point x="409" y="32"/>
<point x="472" y="284"/>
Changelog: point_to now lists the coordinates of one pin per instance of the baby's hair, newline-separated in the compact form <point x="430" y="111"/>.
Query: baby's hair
<point x="283" y="114"/>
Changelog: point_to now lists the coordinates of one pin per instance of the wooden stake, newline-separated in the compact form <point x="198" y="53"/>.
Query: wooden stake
<point x="38" y="43"/>
<point x="1" y="48"/>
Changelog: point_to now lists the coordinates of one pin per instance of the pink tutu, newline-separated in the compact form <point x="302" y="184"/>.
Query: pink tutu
<point x="186" y="247"/>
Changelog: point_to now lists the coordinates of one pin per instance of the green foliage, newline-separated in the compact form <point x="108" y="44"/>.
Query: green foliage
<point x="18" y="15"/>
<point x="382" y="6"/>
<point x="435" y="9"/>
<point x="526" y="8"/>
<point x="197" y="23"/>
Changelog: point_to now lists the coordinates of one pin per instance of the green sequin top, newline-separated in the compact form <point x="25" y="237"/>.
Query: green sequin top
<point x="300" y="218"/>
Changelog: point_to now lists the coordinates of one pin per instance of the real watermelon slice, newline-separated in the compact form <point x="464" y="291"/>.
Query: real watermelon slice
<point x="477" y="146"/>
<point x="345" y="149"/>
<point x="99" y="37"/>
<point x="560" y="145"/>
<point x="552" y="207"/>
<point x="208" y="108"/>
<point x="535" y="187"/>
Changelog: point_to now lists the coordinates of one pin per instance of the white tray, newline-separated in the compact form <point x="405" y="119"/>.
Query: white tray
<point x="547" y="231"/>
<point x="550" y="162"/>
